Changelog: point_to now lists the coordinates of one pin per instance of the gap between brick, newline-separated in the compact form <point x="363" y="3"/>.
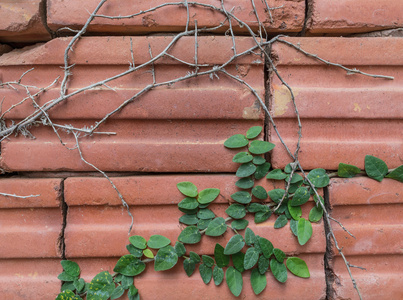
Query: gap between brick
<point x="43" y="12"/>
<point x="64" y="209"/>
<point x="330" y="276"/>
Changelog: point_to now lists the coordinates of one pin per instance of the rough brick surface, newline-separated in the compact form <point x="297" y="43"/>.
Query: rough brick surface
<point x="372" y="211"/>
<point x="21" y="21"/>
<point x="351" y="16"/>
<point x="5" y="49"/>
<point x="290" y="18"/>
<point x="343" y="118"/>
<point x="181" y="121"/>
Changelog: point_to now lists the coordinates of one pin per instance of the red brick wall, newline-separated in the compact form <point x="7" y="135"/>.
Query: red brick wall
<point x="176" y="133"/>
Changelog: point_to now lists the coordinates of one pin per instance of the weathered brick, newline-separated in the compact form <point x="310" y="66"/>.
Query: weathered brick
<point x="350" y="16"/>
<point x="5" y="49"/>
<point x="22" y="21"/>
<point x="342" y="116"/>
<point x="175" y="131"/>
<point x="289" y="18"/>
<point x="23" y="279"/>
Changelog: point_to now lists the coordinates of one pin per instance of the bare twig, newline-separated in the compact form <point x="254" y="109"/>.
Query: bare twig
<point x="19" y="196"/>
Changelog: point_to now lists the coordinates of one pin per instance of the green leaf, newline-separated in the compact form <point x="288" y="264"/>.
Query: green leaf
<point x="205" y="214"/>
<point x="279" y="255"/>
<point x="253" y="132"/>
<point x="262" y="170"/>
<point x="148" y="253"/>
<point x="279" y="270"/>
<point x="251" y="258"/>
<point x="298" y="267"/>
<point x="295" y="178"/>
<point x="266" y="246"/>
<point x="117" y="293"/>
<point x="189" y="211"/>
<point x="262" y="216"/>
<point x="304" y="231"/>
<point x="66" y="277"/>
<point x="258" y="160"/>
<point x="258" y="281"/>
<point x="101" y="287"/>
<point x="208" y="195"/>
<point x="189" y="203"/>
<point x="68" y="285"/>
<point x="239" y="224"/>
<point x="276" y="174"/>
<point x="259" y="192"/>
<point x="216" y="227"/>
<point x="206" y="273"/>
<point x="158" y="241"/>
<point x="236" y="141"/>
<point x="250" y="237"/>
<point x="347" y="171"/>
<point x="242" y="197"/>
<point x="79" y="284"/>
<point x="136" y="252"/>
<point x="234" y="245"/>
<point x="276" y="195"/>
<point x="221" y="259"/>
<point x="319" y="178"/>
<point x="133" y="293"/>
<point x="245" y="183"/>
<point x="280" y="222"/>
<point x="237" y="260"/>
<point x="187" y="188"/>
<point x="165" y="259"/>
<point x="189" y="266"/>
<point x="236" y="211"/>
<point x="189" y="219"/>
<point x="127" y="281"/>
<point x="180" y="249"/>
<point x="295" y="211"/>
<point x="129" y="265"/>
<point x="190" y="235"/>
<point x="396" y="174"/>
<point x="375" y="168"/>
<point x="246" y="170"/>
<point x="301" y="196"/>
<point x="138" y="242"/>
<point x="218" y="275"/>
<point x="316" y="213"/>
<point x="194" y="257"/>
<point x="203" y="224"/>
<point x="260" y="147"/>
<point x="242" y="157"/>
<point x="234" y="281"/>
<point x="70" y="267"/>
<point x="255" y="207"/>
<point x="294" y="227"/>
<point x="263" y="264"/>
<point x="67" y="295"/>
<point x="208" y="261"/>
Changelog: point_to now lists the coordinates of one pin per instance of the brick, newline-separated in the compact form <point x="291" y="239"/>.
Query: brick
<point x="22" y="279"/>
<point x="5" y="49"/>
<point x="49" y="191"/>
<point x="165" y="142"/>
<point x="342" y="117"/>
<point x="371" y="211"/>
<point x="349" y="16"/>
<point x="381" y="279"/>
<point x="22" y="21"/>
<point x="290" y="18"/>
<point x="175" y="284"/>
<point x="96" y="230"/>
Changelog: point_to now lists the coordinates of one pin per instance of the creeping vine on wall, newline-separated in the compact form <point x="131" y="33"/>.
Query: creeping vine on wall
<point x="285" y="203"/>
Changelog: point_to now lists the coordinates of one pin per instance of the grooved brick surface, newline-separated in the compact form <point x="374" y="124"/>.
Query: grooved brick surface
<point x="27" y="223"/>
<point x="172" y="18"/>
<point x="164" y="131"/>
<point x="20" y="21"/>
<point x="344" y="117"/>
<point x="352" y="16"/>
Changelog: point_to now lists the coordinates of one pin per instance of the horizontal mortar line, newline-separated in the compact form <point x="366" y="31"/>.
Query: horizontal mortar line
<point x="367" y="227"/>
<point x="342" y="142"/>
<point x="348" y="90"/>
<point x="114" y="142"/>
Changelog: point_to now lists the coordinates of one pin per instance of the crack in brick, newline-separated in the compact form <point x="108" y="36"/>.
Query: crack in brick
<point x="64" y="210"/>
<point x="43" y="13"/>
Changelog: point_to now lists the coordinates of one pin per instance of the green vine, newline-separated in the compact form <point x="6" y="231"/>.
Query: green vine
<point x="247" y="251"/>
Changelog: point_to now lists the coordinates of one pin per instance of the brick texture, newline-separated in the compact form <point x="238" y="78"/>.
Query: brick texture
<point x="372" y="211"/>
<point x="22" y="21"/>
<point x="160" y="132"/>
<point x="344" y="117"/>
<point x="73" y="13"/>
<point x="351" y="16"/>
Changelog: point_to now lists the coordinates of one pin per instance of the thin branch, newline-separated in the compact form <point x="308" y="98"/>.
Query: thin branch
<point x="19" y="196"/>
